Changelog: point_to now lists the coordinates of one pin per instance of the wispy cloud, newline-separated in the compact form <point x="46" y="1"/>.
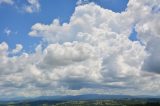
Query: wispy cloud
<point x="80" y="2"/>
<point x="33" y="6"/>
<point x="10" y="2"/>
<point x="7" y="31"/>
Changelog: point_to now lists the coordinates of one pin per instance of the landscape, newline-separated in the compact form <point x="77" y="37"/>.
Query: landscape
<point x="79" y="52"/>
<point x="85" y="100"/>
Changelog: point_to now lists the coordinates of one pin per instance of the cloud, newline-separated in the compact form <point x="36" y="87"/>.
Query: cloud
<point x="69" y="53"/>
<point x="3" y="49"/>
<point x="152" y="62"/>
<point x="149" y="34"/>
<point x="91" y="53"/>
<point x="18" y="48"/>
<point x="33" y="6"/>
<point x="10" y="2"/>
<point x="30" y="6"/>
<point x="80" y="2"/>
<point x="7" y="31"/>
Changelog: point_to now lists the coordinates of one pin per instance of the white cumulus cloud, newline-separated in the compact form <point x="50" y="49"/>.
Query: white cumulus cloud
<point x="18" y="48"/>
<point x="91" y="53"/>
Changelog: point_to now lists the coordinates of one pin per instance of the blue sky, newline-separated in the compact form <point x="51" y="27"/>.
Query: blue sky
<point x="19" y="22"/>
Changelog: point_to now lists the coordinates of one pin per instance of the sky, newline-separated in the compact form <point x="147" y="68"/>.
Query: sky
<point x="62" y="47"/>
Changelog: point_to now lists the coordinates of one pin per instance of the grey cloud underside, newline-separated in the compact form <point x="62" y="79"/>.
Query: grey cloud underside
<point x="152" y="62"/>
<point x="90" y="54"/>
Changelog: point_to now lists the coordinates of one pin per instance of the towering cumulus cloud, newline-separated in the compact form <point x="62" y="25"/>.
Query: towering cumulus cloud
<point x="92" y="52"/>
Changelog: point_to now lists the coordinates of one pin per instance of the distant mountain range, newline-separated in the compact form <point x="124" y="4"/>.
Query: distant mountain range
<point x="75" y="98"/>
<point x="83" y="97"/>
